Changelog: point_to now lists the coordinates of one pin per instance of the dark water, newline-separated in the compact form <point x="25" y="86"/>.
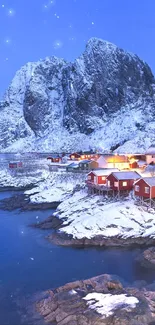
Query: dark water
<point x="30" y="264"/>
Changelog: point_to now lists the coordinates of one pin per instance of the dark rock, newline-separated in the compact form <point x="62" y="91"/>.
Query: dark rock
<point x="65" y="305"/>
<point x="22" y="202"/>
<point x="147" y="258"/>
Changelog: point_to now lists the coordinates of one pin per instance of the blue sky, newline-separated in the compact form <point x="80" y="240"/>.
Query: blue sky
<point x="34" y="29"/>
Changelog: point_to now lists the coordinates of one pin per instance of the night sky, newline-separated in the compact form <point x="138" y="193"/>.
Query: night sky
<point x="34" y="29"/>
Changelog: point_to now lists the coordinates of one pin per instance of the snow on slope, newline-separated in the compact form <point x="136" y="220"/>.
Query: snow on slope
<point x="57" y="187"/>
<point x="91" y="216"/>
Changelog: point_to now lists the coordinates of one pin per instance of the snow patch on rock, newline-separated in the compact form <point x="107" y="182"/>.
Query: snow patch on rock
<point x="106" y="304"/>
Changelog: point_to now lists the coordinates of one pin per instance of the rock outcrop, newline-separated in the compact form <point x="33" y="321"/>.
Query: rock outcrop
<point x="56" y="105"/>
<point x="147" y="258"/>
<point x="98" y="301"/>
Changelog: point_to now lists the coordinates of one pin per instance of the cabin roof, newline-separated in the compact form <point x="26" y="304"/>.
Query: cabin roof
<point x="114" y="158"/>
<point x="86" y="161"/>
<point x="149" y="180"/>
<point x="103" y="172"/>
<point x="73" y="165"/>
<point x="54" y="155"/>
<point x="126" y="175"/>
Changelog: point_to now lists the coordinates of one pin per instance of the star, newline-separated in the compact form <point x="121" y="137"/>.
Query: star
<point x="92" y="23"/>
<point x="57" y="44"/>
<point x="3" y="6"/>
<point x="11" y="12"/>
<point x="7" y="41"/>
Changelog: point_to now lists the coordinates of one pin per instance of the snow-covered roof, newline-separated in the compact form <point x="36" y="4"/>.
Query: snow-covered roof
<point x="55" y="156"/>
<point x="150" y="181"/>
<point x="104" y="172"/>
<point x="115" y="158"/>
<point x="126" y="175"/>
<point x="86" y="161"/>
<point x="73" y="165"/>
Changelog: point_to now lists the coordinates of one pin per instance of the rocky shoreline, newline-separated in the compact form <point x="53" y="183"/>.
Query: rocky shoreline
<point x="62" y="239"/>
<point x="98" y="301"/>
<point x="23" y="202"/>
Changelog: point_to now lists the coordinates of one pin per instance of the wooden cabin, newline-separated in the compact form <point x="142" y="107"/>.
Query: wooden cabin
<point x="145" y="187"/>
<point x="150" y="155"/>
<point x="75" y="156"/>
<point x="83" y="156"/>
<point x="113" y="161"/>
<point x="73" y="167"/>
<point x="15" y="164"/>
<point x="88" y="164"/>
<point x="123" y="180"/>
<point x="55" y="158"/>
<point x="98" y="177"/>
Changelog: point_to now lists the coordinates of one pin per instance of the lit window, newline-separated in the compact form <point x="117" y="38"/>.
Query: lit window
<point x="103" y="178"/>
<point x="116" y="184"/>
<point x="137" y="188"/>
<point x="82" y="157"/>
<point x="89" y="177"/>
<point x="72" y="157"/>
<point x="124" y="183"/>
<point x="147" y="190"/>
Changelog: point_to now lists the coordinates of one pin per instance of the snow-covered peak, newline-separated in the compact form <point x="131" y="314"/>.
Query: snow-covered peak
<point x="51" y="103"/>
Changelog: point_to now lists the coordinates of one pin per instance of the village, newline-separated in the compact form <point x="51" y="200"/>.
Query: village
<point x="111" y="175"/>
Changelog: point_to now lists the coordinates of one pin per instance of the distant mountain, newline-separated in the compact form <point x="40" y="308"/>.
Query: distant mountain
<point x="105" y="99"/>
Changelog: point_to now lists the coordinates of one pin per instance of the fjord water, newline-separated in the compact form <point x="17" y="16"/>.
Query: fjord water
<point x="30" y="264"/>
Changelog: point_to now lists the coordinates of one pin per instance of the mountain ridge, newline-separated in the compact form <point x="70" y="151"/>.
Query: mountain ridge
<point x="104" y="99"/>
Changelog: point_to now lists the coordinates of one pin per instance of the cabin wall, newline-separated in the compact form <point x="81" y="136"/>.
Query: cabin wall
<point x="141" y="193"/>
<point x="90" y="177"/>
<point x="101" y="180"/>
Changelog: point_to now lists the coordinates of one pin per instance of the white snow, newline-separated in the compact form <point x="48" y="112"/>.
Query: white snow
<point x="56" y="188"/>
<point x="106" y="304"/>
<point x="92" y="215"/>
<point x="7" y="179"/>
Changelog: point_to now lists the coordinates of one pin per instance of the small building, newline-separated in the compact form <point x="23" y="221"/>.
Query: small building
<point x="75" y="156"/>
<point x="98" y="177"/>
<point x="114" y="161"/>
<point x="86" y="155"/>
<point x="88" y="164"/>
<point x="73" y="167"/>
<point x="55" y="158"/>
<point x="122" y="181"/>
<point x="150" y="155"/>
<point x="15" y="164"/>
<point x="145" y="187"/>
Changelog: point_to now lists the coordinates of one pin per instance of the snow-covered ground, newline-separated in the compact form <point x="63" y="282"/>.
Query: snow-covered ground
<point x="57" y="187"/>
<point x="90" y="216"/>
<point x="9" y="180"/>
<point x="106" y="304"/>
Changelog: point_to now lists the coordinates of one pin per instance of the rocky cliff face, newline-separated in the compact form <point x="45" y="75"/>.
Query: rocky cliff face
<point x="106" y="99"/>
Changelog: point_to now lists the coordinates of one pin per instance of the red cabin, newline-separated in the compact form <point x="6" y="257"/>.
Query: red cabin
<point x="145" y="187"/>
<point x="75" y="156"/>
<point x="122" y="181"/>
<point x="55" y="159"/>
<point x="98" y="177"/>
<point x="15" y="164"/>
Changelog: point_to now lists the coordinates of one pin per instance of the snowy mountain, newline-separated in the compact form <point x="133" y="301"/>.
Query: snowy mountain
<point x="105" y="99"/>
